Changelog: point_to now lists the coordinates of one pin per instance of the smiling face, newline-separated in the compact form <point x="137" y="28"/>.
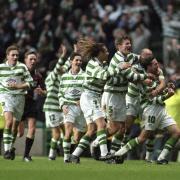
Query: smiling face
<point x="12" y="57"/>
<point x="125" y="47"/>
<point x="76" y="62"/>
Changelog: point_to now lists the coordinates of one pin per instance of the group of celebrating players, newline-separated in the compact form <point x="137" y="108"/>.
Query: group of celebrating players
<point x="104" y="100"/>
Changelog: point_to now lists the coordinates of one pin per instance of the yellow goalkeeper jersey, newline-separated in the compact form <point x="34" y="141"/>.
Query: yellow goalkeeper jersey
<point x="173" y="106"/>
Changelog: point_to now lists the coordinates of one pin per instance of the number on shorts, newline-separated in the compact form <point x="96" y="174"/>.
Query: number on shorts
<point x="151" y="119"/>
<point x="52" y="117"/>
<point x="95" y="103"/>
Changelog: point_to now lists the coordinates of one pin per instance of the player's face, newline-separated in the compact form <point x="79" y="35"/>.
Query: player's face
<point x="76" y="62"/>
<point x="12" y="57"/>
<point x="125" y="47"/>
<point x="154" y="66"/>
<point x="31" y="61"/>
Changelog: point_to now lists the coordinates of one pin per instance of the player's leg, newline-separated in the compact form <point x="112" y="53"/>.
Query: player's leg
<point x="53" y="121"/>
<point x="84" y="142"/>
<point x="7" y="134"/>
<point x="174" y="130"/>
<point x="21" y="129"/>
<point x="67" y="140"/>
<point x="116" y="114"/>
<point x="29" y="138"/>
<point x="6" y="103"/>
<point x="149" y="148"/>
<point x="102" y="137"/>
<point x="117" y="138"/>
<point x="133" y="143"/>
<point x="55" y="134"/>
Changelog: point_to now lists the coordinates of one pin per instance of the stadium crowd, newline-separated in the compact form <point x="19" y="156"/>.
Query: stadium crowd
<point x="41" y="26"/>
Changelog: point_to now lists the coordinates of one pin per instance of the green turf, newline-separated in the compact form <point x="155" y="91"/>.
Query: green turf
<point x="89" y="169"/>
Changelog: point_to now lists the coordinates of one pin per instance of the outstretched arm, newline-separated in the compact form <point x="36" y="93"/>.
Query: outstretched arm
<point x="158" y="10"/>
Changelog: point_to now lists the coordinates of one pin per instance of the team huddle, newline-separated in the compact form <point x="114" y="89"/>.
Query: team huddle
<point x="104" y="100"/>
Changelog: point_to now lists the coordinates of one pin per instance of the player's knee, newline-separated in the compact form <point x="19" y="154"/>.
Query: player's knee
<point x="77" y="138"/>
<point x="175" y="131"/>
<point x="56" y="136"/>
<point x="176" y="134"/>
<point x="111" y="131"/>
<point x="31" y="130"/>
<point x="68" y="134"/>
<point x="90" y="132"/>
<point x="20" y="134"/>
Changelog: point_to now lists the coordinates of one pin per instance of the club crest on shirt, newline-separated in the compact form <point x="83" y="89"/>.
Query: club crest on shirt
<point x="75" y="92"/>
<point x="10" y="80"/>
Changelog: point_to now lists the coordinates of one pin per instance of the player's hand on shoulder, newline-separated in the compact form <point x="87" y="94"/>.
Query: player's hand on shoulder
<point x="124" y="65"/>
<point x="148" y="82"/>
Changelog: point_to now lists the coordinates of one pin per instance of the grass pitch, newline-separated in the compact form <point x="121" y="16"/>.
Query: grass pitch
<point x="43" y="169"/>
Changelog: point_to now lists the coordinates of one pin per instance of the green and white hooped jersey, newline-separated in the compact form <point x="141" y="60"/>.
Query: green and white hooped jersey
<point x="155" y="100"/>
<point x="71" y="87"/>
<point x="133" y="93"/>
<point x="52" y="87"/>
<point x="14" y="74"/>
<point x="96" y="76"/>
<point x="140" y="91"/>
<point x="125" y="75"/>
<point x="145" y="100"/>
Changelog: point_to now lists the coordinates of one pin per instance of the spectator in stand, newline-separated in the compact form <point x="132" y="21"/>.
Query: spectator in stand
<point x="140" y="38"/>
<point x="174" y="50"/>
<point x="170" y="27"/>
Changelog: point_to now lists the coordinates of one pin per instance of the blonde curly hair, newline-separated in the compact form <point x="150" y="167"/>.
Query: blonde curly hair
<point x="89" y="48"/>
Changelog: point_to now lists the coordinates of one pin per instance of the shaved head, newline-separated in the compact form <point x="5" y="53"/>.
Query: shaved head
<point x="146" y="56"/>
<point x="146" y="53"/>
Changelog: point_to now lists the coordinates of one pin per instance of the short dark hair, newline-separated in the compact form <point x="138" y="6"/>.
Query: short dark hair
<point x="148" y="61"/>
<point x="30" y="52"/>
<point x="73" y="55"/>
